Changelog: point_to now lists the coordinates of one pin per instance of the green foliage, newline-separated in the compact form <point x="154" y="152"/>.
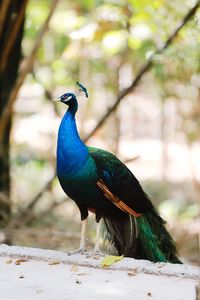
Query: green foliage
<point x="113" y="30"/>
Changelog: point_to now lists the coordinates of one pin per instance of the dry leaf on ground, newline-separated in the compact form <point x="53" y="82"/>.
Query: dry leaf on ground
<point x="9" y="261"/>
<point x="110" y="260"/>
<point x="133" y="272"/>
<point x="74" y="268"/>
<point x="54" y="261"/>
<point x="20" y="260"/>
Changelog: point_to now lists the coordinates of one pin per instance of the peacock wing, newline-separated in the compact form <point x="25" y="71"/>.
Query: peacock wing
<point x="118" y="184"/>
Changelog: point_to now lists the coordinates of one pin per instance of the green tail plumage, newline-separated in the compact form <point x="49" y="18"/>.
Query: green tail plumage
<point x="156" y="240"/>
<point x="144" y="238"/>
<point x="150" y="242"/>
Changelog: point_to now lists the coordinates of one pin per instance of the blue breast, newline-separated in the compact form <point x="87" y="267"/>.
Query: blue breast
<point x="72" y="154"/>
<point x="76" y="169"/>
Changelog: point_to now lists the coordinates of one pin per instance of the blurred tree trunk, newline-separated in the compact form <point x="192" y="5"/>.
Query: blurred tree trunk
<point x="12" y="14"/>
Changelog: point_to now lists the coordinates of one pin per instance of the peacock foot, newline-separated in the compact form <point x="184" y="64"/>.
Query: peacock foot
<point x="81" y="250"/>
<point x="95" y="253"/>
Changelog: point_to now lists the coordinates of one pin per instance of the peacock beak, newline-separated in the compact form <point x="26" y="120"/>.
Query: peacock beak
<point x="57" y="99"/>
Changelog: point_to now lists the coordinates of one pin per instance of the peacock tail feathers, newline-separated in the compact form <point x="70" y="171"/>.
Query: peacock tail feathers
<point x="153" y="224"/>
<point x="150" y="241"/>
<point x="143" y="238"/>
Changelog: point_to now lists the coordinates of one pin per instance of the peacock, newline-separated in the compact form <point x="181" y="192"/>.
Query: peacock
<point x="99" y="182"/>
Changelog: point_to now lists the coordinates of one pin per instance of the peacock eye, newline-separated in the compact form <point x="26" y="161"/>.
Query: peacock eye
<point x="65" y="98"/>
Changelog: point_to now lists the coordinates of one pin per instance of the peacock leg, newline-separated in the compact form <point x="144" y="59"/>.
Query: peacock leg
<point x="96" y="247"/>
<point x="96" y="250"/>
<point x="81" y="249"/>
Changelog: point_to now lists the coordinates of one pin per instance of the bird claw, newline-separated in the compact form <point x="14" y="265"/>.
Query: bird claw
<point x="78" y="251"/>
<point x="95" y="253"/>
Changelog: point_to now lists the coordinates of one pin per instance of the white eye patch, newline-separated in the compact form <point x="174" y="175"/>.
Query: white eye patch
<point x="69" y="98"/>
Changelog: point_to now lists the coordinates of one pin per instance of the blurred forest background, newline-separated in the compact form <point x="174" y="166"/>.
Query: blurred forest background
<point x="110" y="47"/>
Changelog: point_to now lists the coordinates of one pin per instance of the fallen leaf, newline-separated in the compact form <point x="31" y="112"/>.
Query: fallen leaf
<point x="133" y="272"/>
<point x="54" y="261"/>
<point x="74" y="268"/>
<point x="21" y="276"/>
<point x="19" y="261"/>
<point x="9" y="261"/>
<point x="110" y="260"/>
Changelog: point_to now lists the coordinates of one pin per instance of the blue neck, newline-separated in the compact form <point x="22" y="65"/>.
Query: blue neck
<point x="72" y="153"/>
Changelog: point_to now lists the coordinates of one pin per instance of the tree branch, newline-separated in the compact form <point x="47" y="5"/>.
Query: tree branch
<point x="145" y="68"/>
<point x="3" y="13"/>
<point x="17" y="23"/>
<point x="26" y="68"/>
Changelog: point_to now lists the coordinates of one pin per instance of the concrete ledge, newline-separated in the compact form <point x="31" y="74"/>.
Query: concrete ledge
<point x="127" y="264"/>
<point x="77" y="277"/>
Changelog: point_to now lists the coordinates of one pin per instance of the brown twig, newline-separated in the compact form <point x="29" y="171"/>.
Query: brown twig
<point x="128" y="160"/>
<point x="24" y="215"/>
<point x="30" y="216"/>
<point x="48" y="93"/>
<point x="138" y="77"/>
<point x="27" y="65"/>
<point x="19" y="19"/>
<point x="40" y="193"/>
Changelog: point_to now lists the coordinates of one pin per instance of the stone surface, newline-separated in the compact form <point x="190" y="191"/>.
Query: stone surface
<point x="27" y="273"/>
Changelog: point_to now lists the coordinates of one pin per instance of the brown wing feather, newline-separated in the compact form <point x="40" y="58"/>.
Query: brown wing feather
<point x="115" y="200"/>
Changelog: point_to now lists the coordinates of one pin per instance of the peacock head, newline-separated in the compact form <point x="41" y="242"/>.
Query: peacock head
<point x="69" y="98"/>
